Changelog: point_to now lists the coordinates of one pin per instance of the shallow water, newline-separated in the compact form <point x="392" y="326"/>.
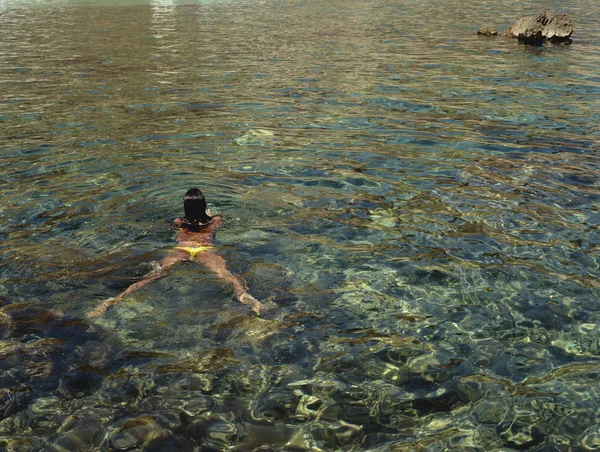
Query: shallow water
<point x="418" y="205"/>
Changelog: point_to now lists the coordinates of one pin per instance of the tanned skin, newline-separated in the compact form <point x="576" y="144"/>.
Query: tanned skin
<point x="205" y="237"/>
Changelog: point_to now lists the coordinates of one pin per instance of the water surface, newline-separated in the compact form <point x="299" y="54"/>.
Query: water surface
<point x="417" y="204"/>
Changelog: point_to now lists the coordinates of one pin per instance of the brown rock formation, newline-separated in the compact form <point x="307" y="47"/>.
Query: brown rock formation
<point x="535" y="30"/>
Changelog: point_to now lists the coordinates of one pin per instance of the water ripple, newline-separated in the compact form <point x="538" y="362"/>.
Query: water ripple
<point x="417" y="204"/>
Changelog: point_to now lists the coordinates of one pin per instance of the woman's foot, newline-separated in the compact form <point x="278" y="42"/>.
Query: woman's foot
<point x="101" y="308"/>
<point x="254" y="304"/>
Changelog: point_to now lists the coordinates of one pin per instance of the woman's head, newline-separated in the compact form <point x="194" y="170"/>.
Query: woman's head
<point x="194" y="206"/>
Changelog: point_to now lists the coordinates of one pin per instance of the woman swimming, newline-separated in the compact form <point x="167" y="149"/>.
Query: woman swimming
<point x="195" y="242"/>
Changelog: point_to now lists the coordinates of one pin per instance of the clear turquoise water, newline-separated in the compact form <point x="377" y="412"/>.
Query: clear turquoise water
<point x="418" y="205"/>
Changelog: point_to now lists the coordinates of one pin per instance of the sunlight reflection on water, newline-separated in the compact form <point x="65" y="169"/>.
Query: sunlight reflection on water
<point x="419" y="206"/>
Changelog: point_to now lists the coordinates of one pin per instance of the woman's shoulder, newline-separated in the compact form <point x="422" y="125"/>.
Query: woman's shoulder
<point x="214" y="223"/>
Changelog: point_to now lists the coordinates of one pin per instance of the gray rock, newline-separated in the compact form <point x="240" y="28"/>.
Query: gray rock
<point x="527" y="28"/>
<point x="546" y="26"/>
<point x="537" y="29"/>
<point x="559" y="28"/>
<point x="488" y="31"/>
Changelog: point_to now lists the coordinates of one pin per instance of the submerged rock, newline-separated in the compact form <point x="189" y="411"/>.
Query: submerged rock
<point x="8" y="403"/>
<point x="537" y="29"/>
<point x="522" y="432"/>
<point x="136" y="433"/>
<point x="591" y="440"/>
<point x="214" y="434"/>
<point x="80" y="439"/>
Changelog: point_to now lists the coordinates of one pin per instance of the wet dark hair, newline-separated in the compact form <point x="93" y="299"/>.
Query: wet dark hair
<point x="194" y="206"/>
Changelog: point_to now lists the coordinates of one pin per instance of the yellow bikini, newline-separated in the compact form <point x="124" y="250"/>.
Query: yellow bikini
<point x="193" y="250"/>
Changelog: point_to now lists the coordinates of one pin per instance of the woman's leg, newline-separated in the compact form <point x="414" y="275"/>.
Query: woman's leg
<point x="218" y="265"/>
<point x="172" y="258"/>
